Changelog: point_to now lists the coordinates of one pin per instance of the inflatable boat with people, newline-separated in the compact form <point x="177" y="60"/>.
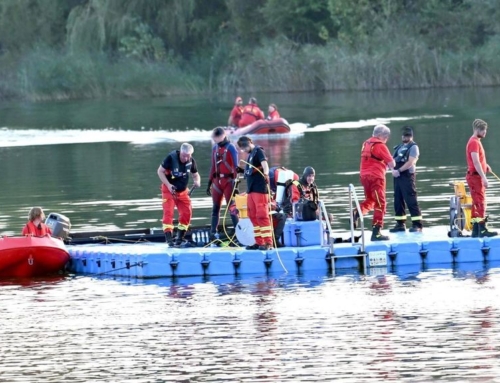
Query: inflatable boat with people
<point x="276" y="126"/>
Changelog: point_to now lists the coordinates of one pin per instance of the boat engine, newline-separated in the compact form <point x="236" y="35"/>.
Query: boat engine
<point x="59" y="225"/>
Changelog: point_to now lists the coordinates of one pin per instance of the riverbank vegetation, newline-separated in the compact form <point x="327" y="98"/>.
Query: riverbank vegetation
<point x="61" y="49"/>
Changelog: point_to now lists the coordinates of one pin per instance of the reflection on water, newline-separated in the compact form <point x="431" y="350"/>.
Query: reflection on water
<point x="414" y="326"/>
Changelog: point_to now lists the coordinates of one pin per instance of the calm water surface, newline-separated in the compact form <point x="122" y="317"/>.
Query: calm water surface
<point x="96" y="161"/>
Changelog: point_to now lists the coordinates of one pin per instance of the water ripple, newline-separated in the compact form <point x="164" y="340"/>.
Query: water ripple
<point x="431" y="325"/>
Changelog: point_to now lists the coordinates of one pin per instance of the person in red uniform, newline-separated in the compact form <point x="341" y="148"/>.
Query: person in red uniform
<point x="174" y="175"/>
<point x="257" y="176"/>
<point x="222" y="177"/>
<point x="36" y="225"/>
<point x="375" y="159"/>
<point x="476" y="179"/>
<point x="273" y="112"/>
<point x="251" y="113"/>
<point x="235" y="116"/>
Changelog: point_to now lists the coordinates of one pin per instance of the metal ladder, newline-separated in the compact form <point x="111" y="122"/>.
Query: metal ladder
<point x="353" y="196"/>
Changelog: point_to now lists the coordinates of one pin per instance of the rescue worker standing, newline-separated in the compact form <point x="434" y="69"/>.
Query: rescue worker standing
<point x="477" y="168"/>
<point x="405" y="192"/>
<point x="236" y="112"/>
<point x="257" y="175"/>
<point x="375" y="158"/>
<point x="174" y="175"/>
<point x="251" y="113"/>
<point x="222" y="177"/>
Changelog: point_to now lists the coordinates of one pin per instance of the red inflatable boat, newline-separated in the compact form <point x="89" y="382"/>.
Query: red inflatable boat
<point x="278" y="126"/>
<point x="24" y="257"/>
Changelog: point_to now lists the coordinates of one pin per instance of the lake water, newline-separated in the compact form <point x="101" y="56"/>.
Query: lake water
<point x="96" y="161"/>
<point x="420" y="326"/>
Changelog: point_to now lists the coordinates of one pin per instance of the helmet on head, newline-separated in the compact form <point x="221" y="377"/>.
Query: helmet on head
<point x="252" y="100"/>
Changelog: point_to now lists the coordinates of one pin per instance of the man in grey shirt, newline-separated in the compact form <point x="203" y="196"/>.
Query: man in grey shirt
<point x="405" y="192"/>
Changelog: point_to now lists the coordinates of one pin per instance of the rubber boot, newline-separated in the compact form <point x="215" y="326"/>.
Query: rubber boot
<point x="400" y="226"/>
<point x="377" y="235"/>
<point x="168" y="238"/>
<point x="475" y="230"/>
<point x="484" y="231"/>
<point x="180" y="237"/>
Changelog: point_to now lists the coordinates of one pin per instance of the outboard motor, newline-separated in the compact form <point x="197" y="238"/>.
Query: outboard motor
<point x="59" y="225"/>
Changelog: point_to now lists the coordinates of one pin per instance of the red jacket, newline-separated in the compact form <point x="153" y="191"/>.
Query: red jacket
<point x="251" y="113"/>
<point x="374" y="158"/>
<point x="273" y="115"/>
<point x="37" y="231"/>
<point x="235" y="115"/>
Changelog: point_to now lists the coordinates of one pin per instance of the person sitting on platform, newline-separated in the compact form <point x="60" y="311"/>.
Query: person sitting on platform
<point x="36" y="225"/>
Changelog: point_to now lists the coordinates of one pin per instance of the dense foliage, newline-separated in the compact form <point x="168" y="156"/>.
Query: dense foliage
<point x="98" y="48"/>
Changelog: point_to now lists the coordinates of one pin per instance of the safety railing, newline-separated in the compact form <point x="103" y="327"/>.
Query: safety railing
<point x="353" y="197"/>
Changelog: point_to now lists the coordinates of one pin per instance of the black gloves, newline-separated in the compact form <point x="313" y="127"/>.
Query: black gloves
<point x="209" y="188"/>
<point x="239" y="170"/>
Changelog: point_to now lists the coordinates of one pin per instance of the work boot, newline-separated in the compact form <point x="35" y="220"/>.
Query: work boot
<point x="168" y="238"/>
<point x="400" y="226"/>
<point x="415" y="229"/>
<point x="252" y="247"/>
<point x="377" y="235"/>
<point x="180" y="237"/>
<point x="484" y="231"/>
<point x="355" y="218"/>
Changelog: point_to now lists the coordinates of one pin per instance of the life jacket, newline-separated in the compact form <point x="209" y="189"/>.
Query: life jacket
<point x="249" y="109"/>
<point x="311" y="194"/>
<point x="176" y="166"/>
<point x="403" y="156"/>
<point x="37" y="231"/>
<point x="367" y="151"/>
<point x="222" y="165"/>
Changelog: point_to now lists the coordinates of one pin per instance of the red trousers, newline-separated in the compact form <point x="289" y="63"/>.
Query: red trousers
<point x="258" y="212"/>
<point x="222" y="188"/>
<point x="374" y="188"/>
<point x="478" y="195"/>
<point x="180" y="200"/>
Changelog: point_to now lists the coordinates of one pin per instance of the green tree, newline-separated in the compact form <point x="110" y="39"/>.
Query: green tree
<point x="302" y="22"/>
